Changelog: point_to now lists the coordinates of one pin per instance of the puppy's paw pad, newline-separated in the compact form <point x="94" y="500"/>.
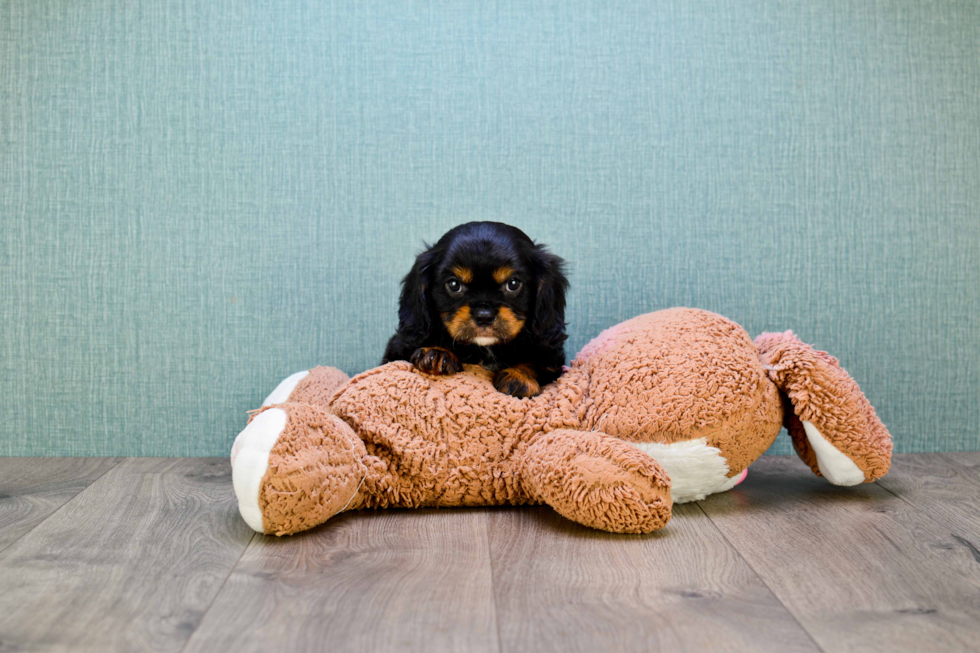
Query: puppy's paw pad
<point x="517" y="382"/>
<point x="436" y="360"/>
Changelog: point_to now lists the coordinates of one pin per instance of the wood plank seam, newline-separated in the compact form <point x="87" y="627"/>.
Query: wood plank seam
<point x="759" y="576"/>
<point x="493" y="581"/>
<point x="371" y="580"/>
<point x="218" y="593"/>
<point x="860" y="568"/>
<point x="939" y="521"/>
<point x="162" y="528"/>
<point x="61" y="507"/>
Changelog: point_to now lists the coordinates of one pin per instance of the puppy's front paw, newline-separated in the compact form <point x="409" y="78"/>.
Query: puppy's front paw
<point x="436" y="360"/>
<point x="519" y="381"/>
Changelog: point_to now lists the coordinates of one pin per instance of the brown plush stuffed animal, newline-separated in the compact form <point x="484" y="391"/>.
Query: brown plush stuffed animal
<point x="668" y="406"/>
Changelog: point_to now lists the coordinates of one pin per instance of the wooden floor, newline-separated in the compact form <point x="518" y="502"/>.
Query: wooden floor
<point x="150" y="554"/>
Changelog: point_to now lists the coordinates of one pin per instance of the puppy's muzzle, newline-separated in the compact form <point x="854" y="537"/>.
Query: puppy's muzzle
<point x="483" y="324"/>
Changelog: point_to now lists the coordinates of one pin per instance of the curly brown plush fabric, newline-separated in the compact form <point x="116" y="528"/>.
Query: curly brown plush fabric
<point x="314" y="470"/>
<point x="821" y="392"/>
<point x="448" y="441"/>
<point x="597" y="481"/>
<point x="681" y="374"/>
<point x="688" y="387"/>
<point x="318" y="387"/>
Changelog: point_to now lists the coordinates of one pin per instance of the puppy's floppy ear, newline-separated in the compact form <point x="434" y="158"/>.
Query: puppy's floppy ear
<point x="413" y="306"/>
<point x="548" y="323"/>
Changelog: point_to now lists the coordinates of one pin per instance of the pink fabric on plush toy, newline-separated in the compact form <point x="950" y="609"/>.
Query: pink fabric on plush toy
<point x="666" y="407"/>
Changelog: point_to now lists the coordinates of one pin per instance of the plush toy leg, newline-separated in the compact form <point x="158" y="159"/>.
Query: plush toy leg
<point x="833" y="426"/>
<point x="294" y="467"/>
<point x="315" y="387"/>
<point x="597" y="480"/>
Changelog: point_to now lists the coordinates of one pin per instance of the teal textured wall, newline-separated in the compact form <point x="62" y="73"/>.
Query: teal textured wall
<point x="201" y="197"/>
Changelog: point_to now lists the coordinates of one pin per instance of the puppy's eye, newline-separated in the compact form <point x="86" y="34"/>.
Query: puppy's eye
<point x="513" y="285"/>
<point x="454" y="286"/>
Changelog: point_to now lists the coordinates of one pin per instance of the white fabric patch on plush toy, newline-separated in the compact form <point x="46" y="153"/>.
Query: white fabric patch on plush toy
<point x="695" y="469"/>
<point x="284" y="389"/>
<point x="835" y="466"/>
<point x="250" y="459"/>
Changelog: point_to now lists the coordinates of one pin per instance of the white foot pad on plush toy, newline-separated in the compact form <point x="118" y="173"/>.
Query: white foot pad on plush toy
<point x="250" y="459"/>
<point x="285" y="388"/>
<point x="834" y="464"/>
<point x="695" y="468"/>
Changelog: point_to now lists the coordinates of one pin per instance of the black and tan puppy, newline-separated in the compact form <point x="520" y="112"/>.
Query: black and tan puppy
<point x="485" y="294"/>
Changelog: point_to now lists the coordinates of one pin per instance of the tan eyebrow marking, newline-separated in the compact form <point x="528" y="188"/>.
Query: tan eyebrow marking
<point x="501" y="275"/>
<point x="464" y="274"/>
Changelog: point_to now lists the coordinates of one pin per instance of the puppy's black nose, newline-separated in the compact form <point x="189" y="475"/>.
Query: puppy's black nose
<point x="484" y="315"/>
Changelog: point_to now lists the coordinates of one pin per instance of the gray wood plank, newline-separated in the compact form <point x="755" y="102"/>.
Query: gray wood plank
<point x="860" y="568"/>
<point x="563" y="587"/>
<point x="131" y="563"/>
<point x="945" y="487"/>
<point x="33" y="488"/>
<point x="365" y="581"/>
<point x="968" y="459"/>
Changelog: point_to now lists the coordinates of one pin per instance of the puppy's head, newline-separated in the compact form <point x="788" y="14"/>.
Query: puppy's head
<point x="486" y="282"/>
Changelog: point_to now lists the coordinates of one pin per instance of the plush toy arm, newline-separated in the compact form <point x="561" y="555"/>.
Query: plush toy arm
<point x="315" y="387"/>
<point x="597" y="480"/>
<point x="833" y="426"/>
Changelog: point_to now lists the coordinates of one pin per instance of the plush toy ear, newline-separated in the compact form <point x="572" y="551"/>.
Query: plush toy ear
<point x="413" y="306"/>
<point x="548" y="323"/>
<point x="834" y="428"/>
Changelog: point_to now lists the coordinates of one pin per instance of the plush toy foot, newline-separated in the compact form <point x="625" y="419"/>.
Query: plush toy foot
<point x="285" y="388"/>
<point x="316" y="387"/>
<point x="833" y="426"/>
<point x="294" y="466"/>
<point x="597" y="480"/>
